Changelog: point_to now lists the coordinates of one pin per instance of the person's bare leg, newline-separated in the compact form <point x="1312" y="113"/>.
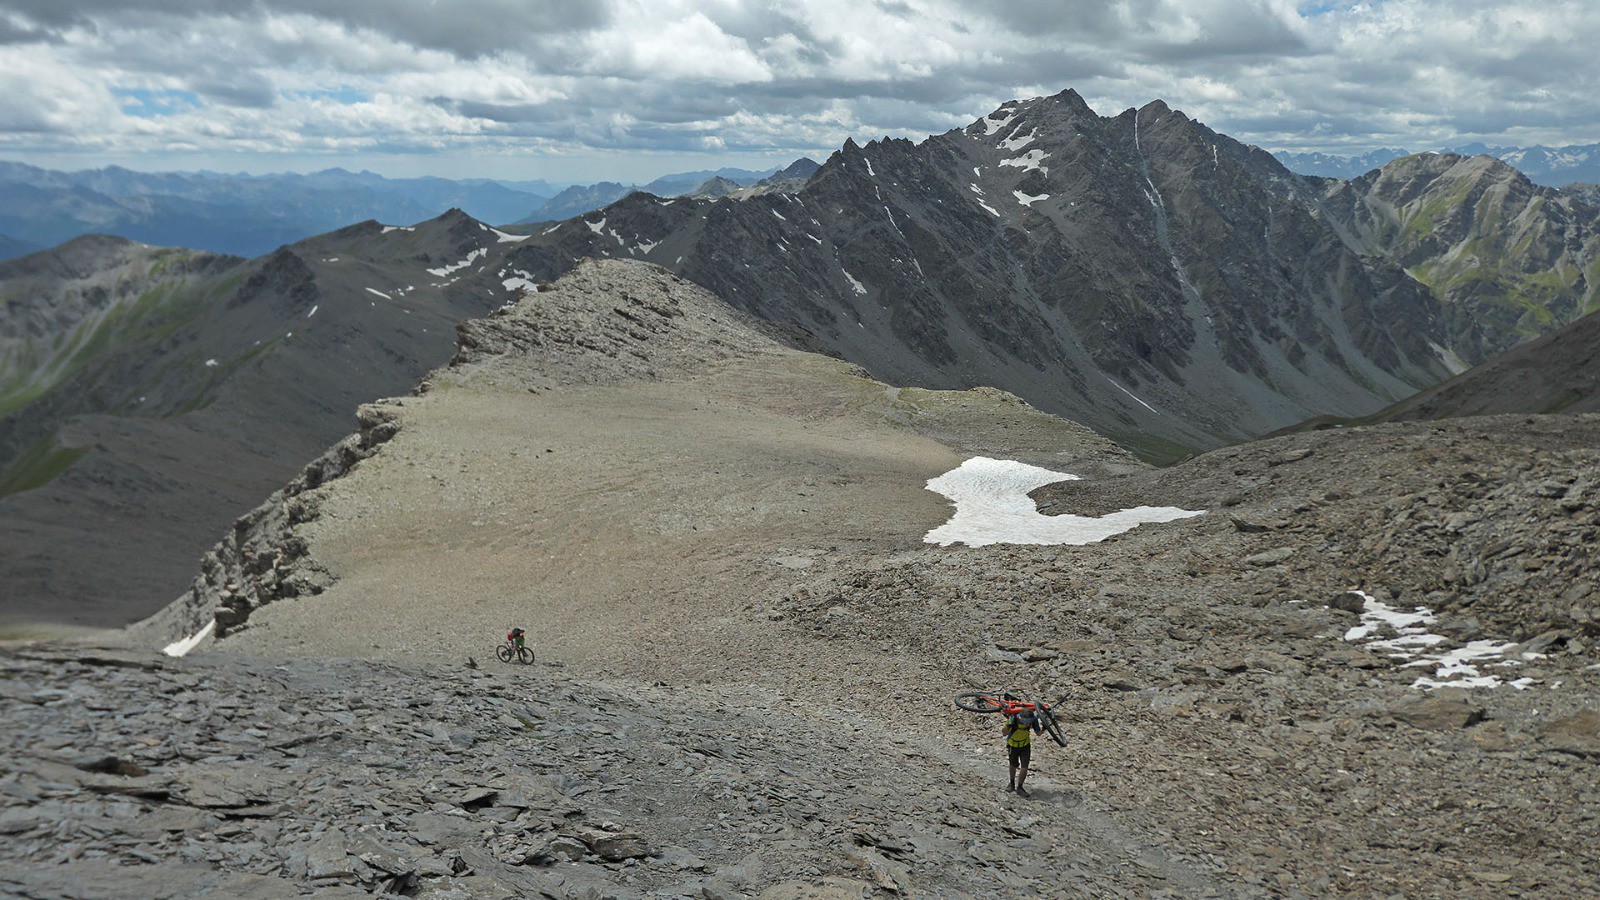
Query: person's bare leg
<point x="1022" y="775"/>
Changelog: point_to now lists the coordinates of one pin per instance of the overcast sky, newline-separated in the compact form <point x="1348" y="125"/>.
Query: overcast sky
<point x="573" y="90"/>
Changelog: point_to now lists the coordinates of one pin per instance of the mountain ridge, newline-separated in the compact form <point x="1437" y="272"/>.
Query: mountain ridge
<point x="216" y="389"/>
<point x="1508" y="259"/>
<point x="1047" y="274"/>
<point x="1549" y="166"/>
<point x="1166" y="285"/>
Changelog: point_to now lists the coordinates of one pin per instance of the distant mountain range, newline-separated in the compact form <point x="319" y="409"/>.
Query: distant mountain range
<point x="242" y="215"/>
<point x="581" y="198"/>
<point x="248" y="215"/>
<point x="1551" y="166"/>
<point x="10" y="247"/>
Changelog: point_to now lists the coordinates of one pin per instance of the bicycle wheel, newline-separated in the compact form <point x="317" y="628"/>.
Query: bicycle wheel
<point x="504" y="652"/>
<point x="1051" y="727"/>
<point x="525" y="655"/>
<point x="979" y="702"/>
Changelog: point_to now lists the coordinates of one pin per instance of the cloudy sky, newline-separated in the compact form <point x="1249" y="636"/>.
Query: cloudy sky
<point x="573" y="90"/>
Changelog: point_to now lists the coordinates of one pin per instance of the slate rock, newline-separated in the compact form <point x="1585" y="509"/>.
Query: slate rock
<point x="1437" y="714"/>
<point x="1270" y="557"/>
<point x="1349" y="601"/>
<point x="568" y="848"/>
<point x="1289" y="456"/>
<point x="823" y="889"/>
<point x="1577" y="734"/>
<point x="614" y="846"/>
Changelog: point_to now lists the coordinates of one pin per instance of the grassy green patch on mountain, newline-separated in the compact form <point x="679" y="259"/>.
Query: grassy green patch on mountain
<point x="36" y="367"/>
<point x="38" y="466"/>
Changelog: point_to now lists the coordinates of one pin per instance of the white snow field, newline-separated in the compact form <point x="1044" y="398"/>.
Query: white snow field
<point x="993" y="507"/>
<point x="1455" y="668"/>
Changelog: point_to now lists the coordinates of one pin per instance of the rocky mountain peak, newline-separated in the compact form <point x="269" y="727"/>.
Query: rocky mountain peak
<point x="1157" y="109"/>
<point x="1072" y="101"/>
<point x="1062" y="256"/>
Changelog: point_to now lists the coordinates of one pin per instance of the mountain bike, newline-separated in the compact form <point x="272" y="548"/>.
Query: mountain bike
<point x="508" y="651"/>
<point x="1008" y="706"/>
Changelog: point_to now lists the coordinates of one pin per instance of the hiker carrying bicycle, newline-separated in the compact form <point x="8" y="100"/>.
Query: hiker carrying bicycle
<point x="1018" y="730"/>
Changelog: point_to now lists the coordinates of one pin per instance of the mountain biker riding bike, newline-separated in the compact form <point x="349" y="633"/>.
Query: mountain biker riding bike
<point x="517" y="637"/>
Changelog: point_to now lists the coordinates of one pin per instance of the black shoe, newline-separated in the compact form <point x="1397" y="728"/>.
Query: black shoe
<point x="1022" y="792"/>
<point x="1011" y="788"/>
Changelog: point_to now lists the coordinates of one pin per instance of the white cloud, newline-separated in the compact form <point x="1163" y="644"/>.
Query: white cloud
<point x="691" y="49"/>
<point x="629" y="76"/>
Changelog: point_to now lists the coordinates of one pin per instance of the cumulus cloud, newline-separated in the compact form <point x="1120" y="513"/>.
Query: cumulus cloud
<point x="571" y="77"/>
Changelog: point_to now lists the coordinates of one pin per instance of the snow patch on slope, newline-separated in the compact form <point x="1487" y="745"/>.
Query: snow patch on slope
<point x="1455" y="668"/>
<point x="993" y="507"/>
<point x="991" y="124"/>
<point x="1017" y="143"/>
<point x="471" y="258"/>
<point x="183" y="646"/>
<point x="1029" y="161"/>
<point x="855" y="285"/>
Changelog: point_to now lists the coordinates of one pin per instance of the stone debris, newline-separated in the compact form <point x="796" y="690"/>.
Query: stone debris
<point x="232" y="776"/>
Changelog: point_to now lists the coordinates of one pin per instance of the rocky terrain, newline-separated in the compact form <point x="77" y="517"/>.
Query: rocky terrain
<point x="746" y="651"/>
<point x="228" y="776"/>
<point x="1365" y="668"/>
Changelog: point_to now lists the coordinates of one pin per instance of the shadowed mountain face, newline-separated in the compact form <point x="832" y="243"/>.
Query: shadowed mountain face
<point x="1140" y="273"/>
<point x="1555" y="373"/>
<point x="150" y="396"/>
<point x="1508" y="259"/>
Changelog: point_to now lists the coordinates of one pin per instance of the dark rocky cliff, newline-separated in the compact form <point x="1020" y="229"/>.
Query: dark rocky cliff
<point x="1140" y="273"/>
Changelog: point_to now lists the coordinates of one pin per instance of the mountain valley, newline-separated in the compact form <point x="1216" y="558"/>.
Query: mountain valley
<point x="769" y="478"/>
